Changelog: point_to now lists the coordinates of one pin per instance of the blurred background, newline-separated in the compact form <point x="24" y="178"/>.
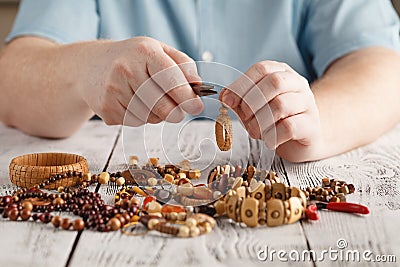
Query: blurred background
<point x="8" y="10"/>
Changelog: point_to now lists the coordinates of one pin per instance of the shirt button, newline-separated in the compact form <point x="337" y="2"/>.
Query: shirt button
<point x="207" y="56"/>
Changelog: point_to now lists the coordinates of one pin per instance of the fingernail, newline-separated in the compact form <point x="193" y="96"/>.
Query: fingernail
<point x="228" y="99"/>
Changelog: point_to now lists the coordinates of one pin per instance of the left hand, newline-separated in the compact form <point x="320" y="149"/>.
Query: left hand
<point x="276" y="104"/>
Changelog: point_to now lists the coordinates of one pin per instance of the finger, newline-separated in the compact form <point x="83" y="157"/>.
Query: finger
<point x="185" y="63"/>
<point x="150" y="98"/>
<point x="296" y="127"/>
<point x="268" y="88"/>
<point x="282" y="106"/>
<point x="238" y="89"/>
<point x="164" y="71"/>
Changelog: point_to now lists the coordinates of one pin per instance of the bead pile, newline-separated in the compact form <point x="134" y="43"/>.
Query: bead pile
<point x="245" y="195"/>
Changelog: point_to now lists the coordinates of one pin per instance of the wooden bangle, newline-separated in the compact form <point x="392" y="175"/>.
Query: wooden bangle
<point x="223" y="130"/>
<point x="29" y="170"/>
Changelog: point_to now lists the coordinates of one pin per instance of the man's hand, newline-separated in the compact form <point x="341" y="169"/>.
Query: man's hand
<point x="123" y="69"/>
<point x="277" y="105"/>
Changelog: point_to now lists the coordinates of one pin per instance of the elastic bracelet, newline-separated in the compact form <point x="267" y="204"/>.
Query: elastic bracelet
<point x="31" y="169"/>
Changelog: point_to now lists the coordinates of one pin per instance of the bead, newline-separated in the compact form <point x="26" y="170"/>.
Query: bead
<point x="181" y="216"/>
<point x="133" y="160"/>
<point x="169" y="178"/>
<point x="104" y="178"/>
<point x="65" y="223"/>
<point x="147" y="200"/>
<point x="60" y="189"/>
<point x="194" y="174"/>
<point x="27" y="205"/>
<point x="78" y="225"/>
<point x="120" y="181"/>
<point x="45" y="217"/>
<point x="191" y="222"/>
<point x="184" y="231"/>
<point x="185" y="189"/>
<point x="58" y="201"/>
<point x="152" y="181"/>
<point x="114" y="224"/>
<point x="194" y="231"/>
<point x="56" y="221"/>
<point x="153" y="207"/>
<point x="153" y="161"/>
<point x="249" y="212"/>
<point x="87" y="177"/>
<point x="26" y="214"/>
<point x="173" y="216"/>
<point x="152" y="223"/>
<point x="13" y="214"/>
<point x="134" y="201"/>
<point x="135" y="218"/>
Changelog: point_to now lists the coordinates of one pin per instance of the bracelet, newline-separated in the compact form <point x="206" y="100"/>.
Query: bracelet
<point x="31" y="169"/>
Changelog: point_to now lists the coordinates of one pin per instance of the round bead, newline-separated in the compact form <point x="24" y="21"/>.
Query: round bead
<point x="13" y="214"/>
<point x="173" y="216"/>
<point x="152" y="223"/>
<point x="25" y="214"/>
<point x="183" y="231"/>
<point x="114" y="224"/>
<point x="60" y="189"/>
<point x="181" y="216"/>
<point x="27" y="205"/>
<point x="78" y="224"/>
<point x="104" y="177"/>
<point x="58" y="201"/>
<point x="154" y="207"/>
<point x="194" y="231"/>
<point x="191" y="222"/>
<point x="120" y="181"/>
<point x="56" y="221"/>
<point x="65" y="224"/>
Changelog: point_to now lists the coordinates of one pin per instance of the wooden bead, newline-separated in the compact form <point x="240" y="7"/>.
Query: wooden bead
<point x="56" y="221"/>
<point x="201" y="192"/>
<point x="279" y="191"/>
<point x="181" y="216"/>
<point x="114" y="224"/>
<point x="296" y="209"/>
<point x="194" y="174"/>
<point x="185" y="189"/>
<point x="219" y="207"/>
<point x="232" y="206"/>
<point x="13" y="214"/>
<point x="184" y="231"/>
<point x="152" y="222"/>
<point x="251" y="170"/>
<point x="275" y="212"/>
<point x="133" y="160"/>
<point x="169" y="178"/>
<point x="154" y="207"/>
<point x="25" y="214"/>
<point x="241" y="192"/>
<point x="238" y="182"/>
<point x="153" y="161"/>
<point x="87" y="177"/>
<point x="194" y="231"/>
<point x="58" y="201"/>
<point x="258" y="192"/>
<point x="104" y="178"/>
<point x="78" y="225"/>
<point x="27" y="205"/>
<point x="60" y="189"/>
<point x="249" y="212"/>
<point x="120" y="181"/>
<point x="65" y="224"/>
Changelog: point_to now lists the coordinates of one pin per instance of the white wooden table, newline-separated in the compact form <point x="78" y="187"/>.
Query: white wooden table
<point x="374" y="170"/>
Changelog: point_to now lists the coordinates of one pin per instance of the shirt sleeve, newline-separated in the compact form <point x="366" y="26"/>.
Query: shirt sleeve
<point x="62" y="21"/>
<point x="334" y="28"/>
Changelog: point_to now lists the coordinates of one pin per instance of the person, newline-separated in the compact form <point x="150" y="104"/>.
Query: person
<point x="327" y="70"/>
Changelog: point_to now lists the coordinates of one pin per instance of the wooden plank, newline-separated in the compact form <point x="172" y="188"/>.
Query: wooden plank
<point x="375" y="171"/>
<point x="228" y="245"/>
<point x="36" y="244"/>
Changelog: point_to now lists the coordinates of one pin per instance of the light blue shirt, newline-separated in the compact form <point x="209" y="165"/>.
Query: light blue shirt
<point x="306" y="34"/>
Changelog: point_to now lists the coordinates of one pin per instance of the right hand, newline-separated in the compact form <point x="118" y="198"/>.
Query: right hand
<point x="117" y="71"/>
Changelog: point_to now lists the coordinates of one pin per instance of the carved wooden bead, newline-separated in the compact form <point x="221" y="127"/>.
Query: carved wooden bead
<point x="296" y="210"/>
<point x="249" y="212"/>
<point x="275" y="212"/>
<point x="169" y="178"/>
<point x="153" y="161"/>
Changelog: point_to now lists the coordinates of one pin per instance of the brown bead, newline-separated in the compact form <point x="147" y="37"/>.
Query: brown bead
<point x="114" y="224"/>
<point x="65" y="224"/>
<point x="26" y="214"/>
<point x="58" y="201"/>
<point x="27" y="205"/>
<point x="13" y="214"/>
<point x="56" y="221"/>
<point x="78" y="224"/>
